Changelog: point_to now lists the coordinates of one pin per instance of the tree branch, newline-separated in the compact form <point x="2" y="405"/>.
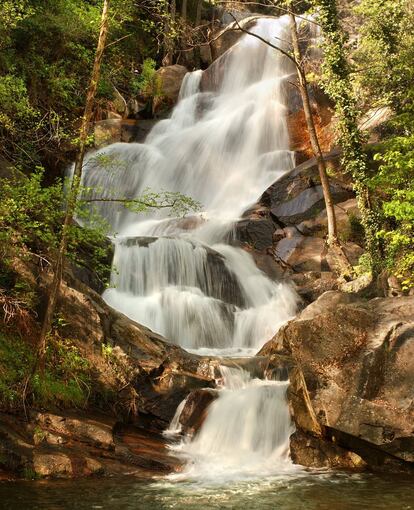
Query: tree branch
<point x="265" y="41"/>
<point x="117" y="41"/>
<point x="131" y="201"/>
<point x="283" y="9"/>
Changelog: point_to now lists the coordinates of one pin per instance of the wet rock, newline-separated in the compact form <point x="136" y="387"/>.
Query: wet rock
<point x="305" y="204"/>
<point x="322" y="109"/>
<point x="55" y="465"/>
<point x="311" y="285"/>
<point x="26" y="450"/>
<point x="195" y="409"/>
<point x="215" y="279"/>
<point x="316" y="452"/>
<point x="157" y="374"/>
<point x="257" y="233"/>
<point x="266" y="263"/>
<point x="303" y="181"/>
<point x="302" y="253"/>
<point x="346" y="213"/>
<point x="96" y="433"/>
<point x="354" y="375"/>
<point x="136" y="130"/>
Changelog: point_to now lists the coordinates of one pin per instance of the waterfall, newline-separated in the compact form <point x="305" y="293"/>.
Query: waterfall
<point x="225" y="142"/>
<point x="245" y="434"/>
<point x="223" y="148"/>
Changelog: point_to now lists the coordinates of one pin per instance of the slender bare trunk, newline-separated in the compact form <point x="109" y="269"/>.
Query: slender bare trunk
<point x="184" y="10"/>
<point x="197" y="53"/>
<point x="74" y="190"/>
<point x="168" y="32"/>
<point x="316" y="148"/>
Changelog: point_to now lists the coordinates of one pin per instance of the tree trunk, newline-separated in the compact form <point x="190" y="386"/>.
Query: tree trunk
<point x="316" y="149"/>
<point x="339" y="260"/>
<point x="168" y="43"/>
<point x="75" y="186"/>
<point x="184" y="10"/>
<point x="197" y="53"/>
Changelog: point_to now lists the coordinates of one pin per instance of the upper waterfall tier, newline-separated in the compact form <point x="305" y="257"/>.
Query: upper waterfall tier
<point x="223" y="149"/>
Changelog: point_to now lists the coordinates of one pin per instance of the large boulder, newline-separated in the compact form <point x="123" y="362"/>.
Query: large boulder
<point x="353" y="381"/>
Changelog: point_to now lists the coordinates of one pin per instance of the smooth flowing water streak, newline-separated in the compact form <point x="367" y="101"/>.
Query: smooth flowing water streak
<point x="223" y="148"/>
<point x="245" y="434"/>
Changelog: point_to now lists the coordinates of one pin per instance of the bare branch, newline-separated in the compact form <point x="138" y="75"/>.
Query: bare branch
<point x="283" y="9"/>
<point x="131" y="201"/>
<point x="117" y="41"/>
<point x="265" y="41"/>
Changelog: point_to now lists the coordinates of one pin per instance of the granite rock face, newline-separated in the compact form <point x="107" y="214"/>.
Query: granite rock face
<point x="353" y="378"/>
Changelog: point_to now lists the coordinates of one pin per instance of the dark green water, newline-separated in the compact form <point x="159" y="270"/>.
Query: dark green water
<point x="310" y="492"/>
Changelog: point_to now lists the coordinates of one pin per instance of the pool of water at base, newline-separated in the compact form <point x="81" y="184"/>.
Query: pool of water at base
<point x="312" y="491"/>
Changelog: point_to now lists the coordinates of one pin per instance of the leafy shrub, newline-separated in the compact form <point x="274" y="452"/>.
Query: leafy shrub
<point x="394" y="182"/>
<point x="66" y="381"/>
<point x="149" y="83"/>
<point x="31" y="217"/>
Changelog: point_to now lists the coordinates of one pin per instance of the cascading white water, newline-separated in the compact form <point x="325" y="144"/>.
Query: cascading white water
<point x="180" y="276"/>
<point x="223" y="149"/>
<point x="245" y="434"/>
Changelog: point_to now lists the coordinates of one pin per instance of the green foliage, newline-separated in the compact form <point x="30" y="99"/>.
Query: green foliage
<point x="394" y="181"/>
<point x="46" y="54"/>
<point x="12" y="12"/>
<point x="384" y="56"/>
<point x="148" y="83"/>
<point x="364" y="265"/>
<point x="66" y="381"/>
<point x="31" y="218"/>
<point x="385" y="53"/>
<point x="177" y="203"/>
<point x="30" y="214"/>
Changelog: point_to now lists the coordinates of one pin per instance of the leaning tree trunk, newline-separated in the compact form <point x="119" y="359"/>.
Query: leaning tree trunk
<point x="340" y="260"/>
<point x="314" y="141"/>
<point x="75" y="186"/>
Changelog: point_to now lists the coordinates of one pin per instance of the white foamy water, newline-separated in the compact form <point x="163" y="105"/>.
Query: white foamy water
<point x="245" y="434"/>
<point x="180" y="276"/>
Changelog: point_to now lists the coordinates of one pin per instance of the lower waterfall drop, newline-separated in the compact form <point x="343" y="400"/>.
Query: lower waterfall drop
<point x="245" y="434"/>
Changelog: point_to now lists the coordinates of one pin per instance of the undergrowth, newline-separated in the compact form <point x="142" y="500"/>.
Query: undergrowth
<point x="65" y="382"/>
